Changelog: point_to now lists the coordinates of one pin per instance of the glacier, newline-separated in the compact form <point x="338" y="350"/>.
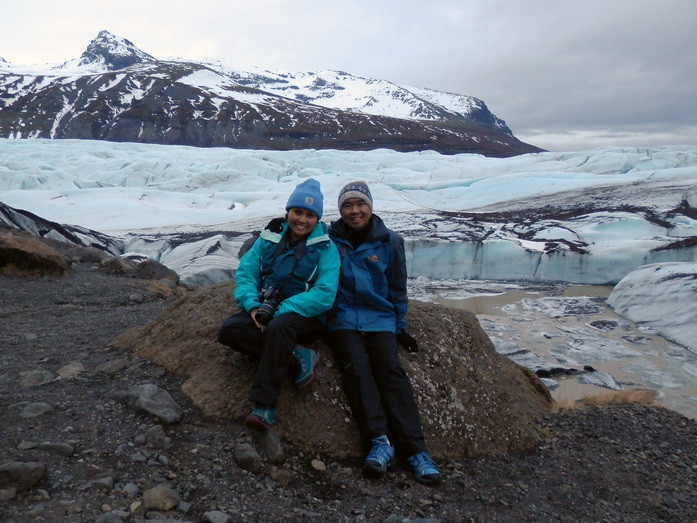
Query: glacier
<point x="660" y="297"/>
<point x="575" y="217"/>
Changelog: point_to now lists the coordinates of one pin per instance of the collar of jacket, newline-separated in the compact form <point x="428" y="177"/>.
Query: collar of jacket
<point x="378" y="230"/>
<point x="318" y="234"/>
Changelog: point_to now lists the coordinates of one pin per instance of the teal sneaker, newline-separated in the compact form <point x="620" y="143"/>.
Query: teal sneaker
<point x="425" y="470"/>
<point x="306" y="360"/>
<point x="261" y="418"/>
<point x="380" y="456"/>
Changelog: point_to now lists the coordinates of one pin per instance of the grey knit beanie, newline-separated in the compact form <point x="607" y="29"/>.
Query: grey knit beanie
<point x="356" y="190"/>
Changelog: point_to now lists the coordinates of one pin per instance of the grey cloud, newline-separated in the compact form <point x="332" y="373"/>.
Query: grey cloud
<point x="617" y="68"/>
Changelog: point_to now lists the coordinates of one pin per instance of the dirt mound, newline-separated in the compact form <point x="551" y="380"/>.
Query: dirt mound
<point x="473" y="401"/>
<point x="22" y="254"/>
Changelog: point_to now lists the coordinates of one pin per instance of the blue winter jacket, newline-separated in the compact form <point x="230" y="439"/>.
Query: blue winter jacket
<point x="308" y="284"/>
<point x="372" y="295"/>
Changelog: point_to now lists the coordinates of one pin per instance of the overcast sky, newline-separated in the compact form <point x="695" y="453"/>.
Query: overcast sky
<point x="563" y="74"/>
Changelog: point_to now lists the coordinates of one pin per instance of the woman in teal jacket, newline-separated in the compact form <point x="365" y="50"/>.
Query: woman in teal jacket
<point x="284" y="285"/>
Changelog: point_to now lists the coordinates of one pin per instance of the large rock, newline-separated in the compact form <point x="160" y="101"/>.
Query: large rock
<point x="21" y="475"/>
<point x="472" y="401"/>
<point x="23" y="254"/>
<point x="153" y="400"/>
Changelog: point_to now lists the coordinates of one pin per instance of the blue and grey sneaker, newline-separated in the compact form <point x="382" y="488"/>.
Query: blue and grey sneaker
<point x="425" y="470"/>
<point x="306" y="360"/>
<point x="261" y="418"/>
<point x="381" y="454"/>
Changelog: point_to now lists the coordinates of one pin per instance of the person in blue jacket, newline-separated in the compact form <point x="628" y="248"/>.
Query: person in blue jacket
<point x="284" y="285"/>
<point x="366" y="326"/>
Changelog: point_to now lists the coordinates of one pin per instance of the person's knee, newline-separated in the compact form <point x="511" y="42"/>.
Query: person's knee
<point x="241" y="334"/>
<point x="386" y="366"/>
<point x="384" y="352"/>
<point x="279" y="328"/>
<point x="291" y="326"/>
<point x="230" y="330"/>
<point x="396" y="373"/>
<point x="225" y="337"/>
<point x="355" y="369"/>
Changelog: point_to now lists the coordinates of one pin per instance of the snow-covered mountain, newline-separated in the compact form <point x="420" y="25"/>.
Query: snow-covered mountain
<point x="117" y="92"/>
<point x="107" y="53"/>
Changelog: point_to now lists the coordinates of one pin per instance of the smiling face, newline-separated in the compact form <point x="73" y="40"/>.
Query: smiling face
<point x="355" y="213"/>
<point x="301" y="222"/>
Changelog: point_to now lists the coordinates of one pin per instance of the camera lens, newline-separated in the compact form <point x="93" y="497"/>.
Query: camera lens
<point x="265" y="312"/>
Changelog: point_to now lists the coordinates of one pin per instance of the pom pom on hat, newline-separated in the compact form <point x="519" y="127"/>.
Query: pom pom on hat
<point x="307" y="195"/>
<point x="356" y="190"/>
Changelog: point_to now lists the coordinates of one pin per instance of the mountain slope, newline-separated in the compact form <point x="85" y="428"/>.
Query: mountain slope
<point x="116" y="92"/>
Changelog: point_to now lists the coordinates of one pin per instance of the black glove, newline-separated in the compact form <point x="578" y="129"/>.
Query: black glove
<point x="275" y="225"/>
<point x="408" y="342"/>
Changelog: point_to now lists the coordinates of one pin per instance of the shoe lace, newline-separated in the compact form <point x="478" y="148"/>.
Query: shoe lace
<point x="423" y="463"/>
<point x="304" y="361"/>
<point x="304" y="364"/>
<point x="380" y="452"/>
<point x="265" y="413"/>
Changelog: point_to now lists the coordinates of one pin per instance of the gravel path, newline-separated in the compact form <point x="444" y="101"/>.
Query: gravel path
<point x="626" y="463"/>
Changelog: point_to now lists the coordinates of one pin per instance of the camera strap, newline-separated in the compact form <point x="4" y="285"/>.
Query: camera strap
<point x="299" y="252"/>
<point x="299" y="248"/>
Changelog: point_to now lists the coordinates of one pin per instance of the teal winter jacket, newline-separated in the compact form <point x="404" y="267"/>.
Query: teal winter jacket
<point x="308" y="284"/>
<point x="372" y="294"/>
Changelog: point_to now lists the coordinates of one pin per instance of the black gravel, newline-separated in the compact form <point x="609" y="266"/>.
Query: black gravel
<point x="620" y="463"/>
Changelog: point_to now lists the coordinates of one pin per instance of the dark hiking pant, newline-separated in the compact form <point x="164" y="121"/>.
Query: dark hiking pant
<point x="378" y="389"/>
<point x="273" y="348"/>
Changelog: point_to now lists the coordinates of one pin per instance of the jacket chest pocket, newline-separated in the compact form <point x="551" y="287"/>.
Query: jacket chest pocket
<point x="285" y="271"/>
<point x="373" y="267"/>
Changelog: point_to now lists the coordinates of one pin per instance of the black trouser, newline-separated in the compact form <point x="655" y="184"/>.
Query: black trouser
<point x="378" y="389"/>
<point x="273" y="348"/>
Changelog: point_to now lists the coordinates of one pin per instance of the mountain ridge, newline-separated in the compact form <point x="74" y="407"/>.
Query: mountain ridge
<point x="114" y="91"/>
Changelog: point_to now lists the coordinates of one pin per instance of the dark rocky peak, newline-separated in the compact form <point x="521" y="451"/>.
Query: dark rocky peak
<point x="113" y="53"/>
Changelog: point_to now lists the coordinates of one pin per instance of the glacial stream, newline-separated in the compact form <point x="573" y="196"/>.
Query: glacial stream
<point x="545" y="326"/>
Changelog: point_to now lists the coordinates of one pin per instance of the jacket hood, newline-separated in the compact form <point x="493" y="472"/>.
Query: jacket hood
<point x="318" y="234"/>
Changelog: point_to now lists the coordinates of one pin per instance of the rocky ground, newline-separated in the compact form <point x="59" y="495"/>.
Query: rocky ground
<point x="61" y="412"/>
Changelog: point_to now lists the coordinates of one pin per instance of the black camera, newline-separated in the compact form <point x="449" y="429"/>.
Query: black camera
<point x="269" y="298"/>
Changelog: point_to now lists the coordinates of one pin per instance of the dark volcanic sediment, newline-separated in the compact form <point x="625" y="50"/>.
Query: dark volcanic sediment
<point x="623" y="463"/>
